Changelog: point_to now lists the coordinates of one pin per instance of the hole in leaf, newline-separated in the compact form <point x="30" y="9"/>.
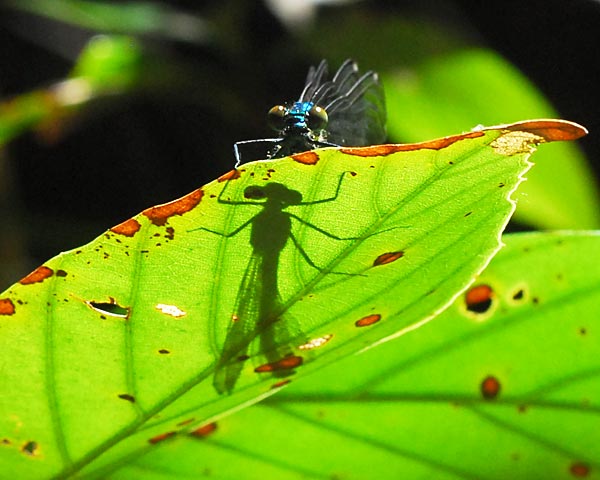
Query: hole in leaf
<point x="126" y="396"/>
<point x="30" y="448"/>
<point x="518" y="295"/>
<point x="111" y="308"/>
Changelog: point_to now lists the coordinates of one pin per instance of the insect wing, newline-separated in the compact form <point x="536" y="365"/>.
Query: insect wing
<point x="354" y="103"/>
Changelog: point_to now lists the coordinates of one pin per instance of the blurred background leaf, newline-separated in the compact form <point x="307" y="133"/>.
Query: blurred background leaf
<point x="102" y="127"/>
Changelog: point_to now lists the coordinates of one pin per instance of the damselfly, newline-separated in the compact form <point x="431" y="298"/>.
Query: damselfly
<point x="348" y="110"/>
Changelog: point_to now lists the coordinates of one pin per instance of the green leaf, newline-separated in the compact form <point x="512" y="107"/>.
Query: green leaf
<point x="456" y="91"/>
<point x="425" y="408"/>
<point x="204" y="305"/>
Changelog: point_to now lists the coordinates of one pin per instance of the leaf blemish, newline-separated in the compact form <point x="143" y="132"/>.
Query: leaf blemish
<point x="186" y="422"/>
<point x="306" y="158"/>
<point x="38" y="275"/>
<point x="280" y="384"/>
<point x="316" y="342"/>
<point x="7" y="307"/>
<point x="519" y="294"/>
<point x="490" y="387"/>
<point x="204" y="430"/>
<point x="516" y="142"/>
<point x="128" y="228"/>
<point x="171" y="310"/>
<point x="368" y="320"/>
<point x="160" y="214"/>
<point x="30" y="448"/>
<point x="164" y="351"/>
<point x="126" y="396"/>
<point x="286" y="363"/>
<point x="388" y="257"/>
<point x="110" y="308"/>
<point x="479" y="298"/>
<point x="579" y="469"/>
<point x="161" y="437"/>
<point x="230" y="175"/>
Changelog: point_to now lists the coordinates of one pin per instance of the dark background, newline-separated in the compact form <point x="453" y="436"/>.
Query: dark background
<point x="143" y="148"/>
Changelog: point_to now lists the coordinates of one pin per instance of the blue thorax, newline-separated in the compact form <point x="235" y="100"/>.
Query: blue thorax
<point x="297" y="116"/>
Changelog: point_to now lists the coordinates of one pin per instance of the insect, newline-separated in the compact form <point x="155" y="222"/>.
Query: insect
<point x="258" y="310"/>
<point x="348" y="110"/>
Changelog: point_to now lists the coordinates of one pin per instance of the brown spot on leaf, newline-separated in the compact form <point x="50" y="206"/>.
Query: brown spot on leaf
<point x="61" y="273"/>
<point x="128" y="228"/>
<point x="582" y="330"/>
<point x="126" y="396"/>
<point x="186" y="422"/>
<point x="161" y="437"/>
<point x="30" y="448"/>
<point x="280" y="384"/>
<point x="386" y="258"/>
<point x="479" y="298"/>
<point x="368" y="320"/>
<point x="7" y="307"/>
<point x="230" y="175"/>
<point x="286" y="363"/>
<point x="164" y="351"/>
<point x="307" y="158"/>
<point x="160" y="214"/>
<point x="170" y="233"/>
<point x="490" y="387"/>
<point x="550" y="130"/>
<point x="38" y="275"/>
<point x="579" y="469"/>
<point x="204" y="430"/>
<point x="384" y="150"/>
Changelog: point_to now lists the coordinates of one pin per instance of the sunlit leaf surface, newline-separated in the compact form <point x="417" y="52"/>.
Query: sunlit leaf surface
<point x="504" y="384"/>
<point x="214" y="301"/>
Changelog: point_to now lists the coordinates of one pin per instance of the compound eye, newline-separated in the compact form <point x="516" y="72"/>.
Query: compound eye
<point x="276" y="117"/>
<point x="317" y="118"/>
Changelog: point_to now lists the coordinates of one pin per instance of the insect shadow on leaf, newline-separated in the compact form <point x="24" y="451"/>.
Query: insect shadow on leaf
<point x="258" y="310"/>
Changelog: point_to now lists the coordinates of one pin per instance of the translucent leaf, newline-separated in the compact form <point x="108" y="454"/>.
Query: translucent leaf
<point x="502" y="389"/>
<point x="456" y="91"/>
<point x="211" y="302"/>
